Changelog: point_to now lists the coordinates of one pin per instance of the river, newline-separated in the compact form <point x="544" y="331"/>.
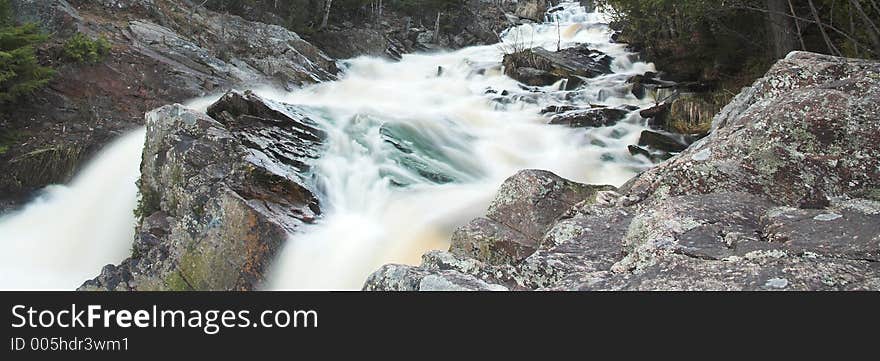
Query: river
<point x="415" y="148"/>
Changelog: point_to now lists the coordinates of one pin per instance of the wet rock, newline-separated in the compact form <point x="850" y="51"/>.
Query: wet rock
<point x="573" y="64"/>
<point x="595" y="118"/>
<point x="782" y="196"/>
<point x="640" y="84"/>
<point x="219" y="194"/>
<point x="656" y="115"/>
<point x="653" y="155"/>
<point x="534" y="77"/>
<point x="661" y="142"/>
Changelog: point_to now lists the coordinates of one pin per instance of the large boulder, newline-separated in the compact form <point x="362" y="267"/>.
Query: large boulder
<point x="784" y="195"/>
<point x="533" y="10"/>
<point x="219" y="194"/>
<point x="541" y="67"/>
<point x="526" y="206"/>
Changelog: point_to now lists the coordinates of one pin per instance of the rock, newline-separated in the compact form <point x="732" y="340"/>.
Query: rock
<point x="526" y="206"/>
<point x="442" y="272"/>
<point x="220" y="193"/>
<point x="661" y="142"/>
<point x="658" y="112"/>
<point x="533" y="10"/>
<point x="159" y="55"/>
<point x="558" y="109"/>
<point x="595" y="118"/>
<point x="534" y="77"/>
<point x="572" y="64"/>
<point x="721" y="215"/>
<point x="641" y="82"/>
<point x="654" y="156"/>
<point x="786" y="137"/>
<point x="52" y="16"/>
<point x="351" y="42"/>
<point x="849" y="230"/>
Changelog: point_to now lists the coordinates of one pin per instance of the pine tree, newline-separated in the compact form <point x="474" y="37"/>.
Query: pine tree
<point x="20" y="72"/>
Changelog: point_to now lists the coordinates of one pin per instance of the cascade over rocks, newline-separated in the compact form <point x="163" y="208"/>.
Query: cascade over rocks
<point x="220" y="192"/>
<point x="783" y="195"/>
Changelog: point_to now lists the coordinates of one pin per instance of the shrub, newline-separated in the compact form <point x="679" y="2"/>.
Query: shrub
<point x="83" y="49"/>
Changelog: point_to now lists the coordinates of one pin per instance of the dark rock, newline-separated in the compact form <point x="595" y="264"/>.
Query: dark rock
<point x="655" y="156"/>
<point x="556" y="109"/>
<point x="641" y="82"/>
<point x="572" y="64"/>
<point x="52" y="16"/>
<point x="658" y="111"/>
<point x="660" y="141"/>
<point x="599" y="117"/>
<point x="535" y="77"/>
<point x="848" y="230"/>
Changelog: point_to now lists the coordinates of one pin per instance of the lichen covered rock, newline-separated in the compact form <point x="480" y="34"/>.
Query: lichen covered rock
<point x="525" y="208"/>
<point x="220" y="193"/>
<point x="784" y="195"/>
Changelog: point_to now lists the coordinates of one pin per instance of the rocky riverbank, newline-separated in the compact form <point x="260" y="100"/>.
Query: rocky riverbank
<point x="168" y="51"/>
<point x="219" y="194"/>
<point x="783" y="195"/>
<point x="161" y="52"/>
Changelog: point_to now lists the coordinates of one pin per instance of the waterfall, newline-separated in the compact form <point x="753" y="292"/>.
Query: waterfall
<point x="414" y="149"/>
<point x="418" y="147"/>
<point x="69" y="232"/>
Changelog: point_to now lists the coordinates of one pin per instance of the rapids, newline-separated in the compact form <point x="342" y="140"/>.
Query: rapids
<point x="415" y="148"/>
<point x="418" y="147"/>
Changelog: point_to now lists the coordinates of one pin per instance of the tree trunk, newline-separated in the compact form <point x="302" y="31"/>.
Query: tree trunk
<point x="327" y="5"/>
<point x="781" y="28"/>
<point x="437" y="29"/>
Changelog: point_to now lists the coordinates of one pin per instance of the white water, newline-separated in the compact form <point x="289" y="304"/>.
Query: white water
<point x="369" y="222"/>
<point x="65" y="236"/>
<point x="448" y="122"/>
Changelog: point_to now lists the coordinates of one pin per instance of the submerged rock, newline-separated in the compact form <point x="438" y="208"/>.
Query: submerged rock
<point x="220" y="193"/>
<point x="783" y="195"/>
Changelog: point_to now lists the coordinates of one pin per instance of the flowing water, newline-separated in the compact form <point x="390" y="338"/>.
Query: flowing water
<point x="415" y="148"/>
<point x="418" y="147"/>
<point x="69" y="232"/>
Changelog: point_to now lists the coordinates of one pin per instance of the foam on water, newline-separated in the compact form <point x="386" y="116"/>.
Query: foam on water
<point x="414" y="149"/>
<point x="370" y="219"/>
